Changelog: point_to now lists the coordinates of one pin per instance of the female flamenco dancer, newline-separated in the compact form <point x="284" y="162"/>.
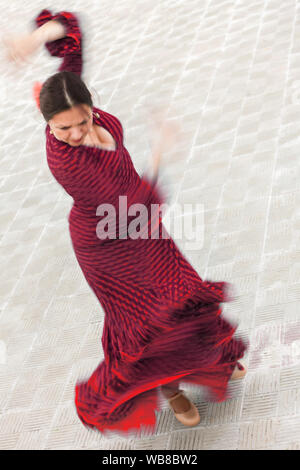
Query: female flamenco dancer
<point x="163" y="323"/>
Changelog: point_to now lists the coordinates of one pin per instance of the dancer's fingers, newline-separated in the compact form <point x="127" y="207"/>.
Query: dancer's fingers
<point x="164" y="133"/>
<point x="13" y="57"/>
<point x="23" y="59"/>
<point x="17" y="49"/>
<point x="10" y="52"/>
<point x="4" y="41"/>
<point x="167" y="136"/>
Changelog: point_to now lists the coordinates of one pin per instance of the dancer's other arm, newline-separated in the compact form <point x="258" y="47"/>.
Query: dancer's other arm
<point x="156" y="158"/>
<point x="165" y="138"/>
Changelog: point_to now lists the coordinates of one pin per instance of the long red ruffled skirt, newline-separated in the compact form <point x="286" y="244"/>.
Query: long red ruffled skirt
<point x="198" y="348"/>
<point x="162" y="323"/>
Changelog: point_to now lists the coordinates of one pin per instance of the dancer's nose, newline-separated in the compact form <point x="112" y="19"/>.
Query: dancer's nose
<point x="76" y="134"/>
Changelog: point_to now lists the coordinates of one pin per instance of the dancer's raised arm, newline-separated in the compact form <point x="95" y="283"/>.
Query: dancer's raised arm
<point x="61" y="35"/>
<point x="69" y="47"/>
<point x="164" y="139"/>
<point x="19" y="48"/>
<point x="50" y="31"/>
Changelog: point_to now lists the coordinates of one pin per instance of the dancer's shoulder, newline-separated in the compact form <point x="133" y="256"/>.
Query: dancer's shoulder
<point x="109" y="118"/>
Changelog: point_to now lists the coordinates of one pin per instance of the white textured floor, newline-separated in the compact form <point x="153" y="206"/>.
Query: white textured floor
<point x="230" y="72"/>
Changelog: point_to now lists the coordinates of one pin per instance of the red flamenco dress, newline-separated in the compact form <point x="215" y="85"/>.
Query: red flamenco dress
<point x="162" y="323"/>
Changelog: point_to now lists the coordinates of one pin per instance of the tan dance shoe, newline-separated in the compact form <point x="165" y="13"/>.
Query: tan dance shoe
<point x="190" y="417"/>
<point x="239" y="371"/>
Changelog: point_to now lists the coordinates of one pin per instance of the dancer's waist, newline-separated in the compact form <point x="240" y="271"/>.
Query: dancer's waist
<point x="108" y="227"/>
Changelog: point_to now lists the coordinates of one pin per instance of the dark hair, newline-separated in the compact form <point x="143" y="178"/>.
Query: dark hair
<point x="62" y="91"/>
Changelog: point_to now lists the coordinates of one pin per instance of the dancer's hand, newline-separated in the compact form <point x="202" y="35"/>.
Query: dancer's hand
<point x="166" y="135"/>
<point x="19" y="48"/>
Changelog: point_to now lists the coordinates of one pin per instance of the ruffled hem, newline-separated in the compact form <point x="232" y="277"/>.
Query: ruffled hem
<point x="198" y="349"/>
<point x="174" y="320"/>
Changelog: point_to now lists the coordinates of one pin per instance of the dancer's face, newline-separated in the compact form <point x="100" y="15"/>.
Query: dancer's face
<point x="71" y="126"/>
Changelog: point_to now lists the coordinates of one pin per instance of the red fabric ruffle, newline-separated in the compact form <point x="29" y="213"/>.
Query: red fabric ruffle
<point x="189" y="341"/>
<point x="36" y="92"/>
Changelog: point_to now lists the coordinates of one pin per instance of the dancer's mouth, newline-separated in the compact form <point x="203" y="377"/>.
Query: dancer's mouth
<point x="77" y="141"/>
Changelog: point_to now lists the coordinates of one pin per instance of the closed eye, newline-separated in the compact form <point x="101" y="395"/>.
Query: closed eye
<point x="65" y="128"/>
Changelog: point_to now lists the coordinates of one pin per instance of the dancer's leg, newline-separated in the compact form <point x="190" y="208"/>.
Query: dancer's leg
<point x="170" y="389"/>
<point x="181" y="404"/>
<point x="239" y="371"/>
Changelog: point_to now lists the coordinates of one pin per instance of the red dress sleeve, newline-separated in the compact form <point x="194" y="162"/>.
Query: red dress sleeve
<point x="69" y="47"/>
